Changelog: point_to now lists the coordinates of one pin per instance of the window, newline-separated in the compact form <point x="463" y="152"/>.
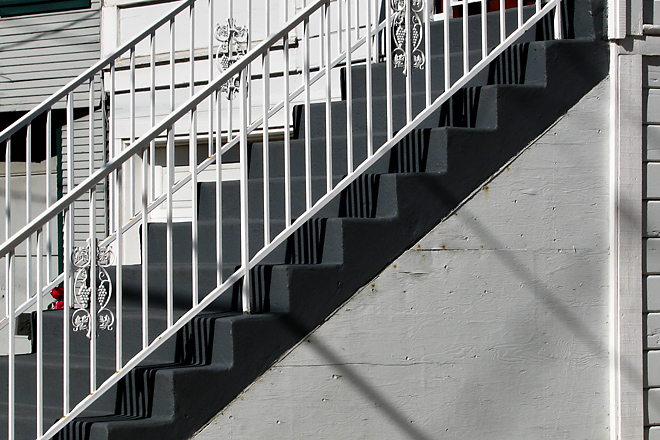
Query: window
<point x="22" y="7"/>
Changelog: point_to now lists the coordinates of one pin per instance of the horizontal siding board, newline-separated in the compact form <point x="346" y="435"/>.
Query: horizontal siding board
<point x="62" y="50"/>
<point x="79" y="60"/>
<point x="18" y="75"/>
<point x="32" y="31"/>
<point x="64" y="41"/>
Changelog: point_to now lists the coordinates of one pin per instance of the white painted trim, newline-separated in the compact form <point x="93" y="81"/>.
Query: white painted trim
<point x="626" y="367"/>
<point x="617" y="19"/>
<point x="109" y="30"/>
<point x="636" y="17"/>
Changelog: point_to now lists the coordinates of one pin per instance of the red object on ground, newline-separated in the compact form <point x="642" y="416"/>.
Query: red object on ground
<point x="57" y="293"/>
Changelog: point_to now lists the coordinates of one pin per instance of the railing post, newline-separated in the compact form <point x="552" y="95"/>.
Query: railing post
<point x="245" y="219"/>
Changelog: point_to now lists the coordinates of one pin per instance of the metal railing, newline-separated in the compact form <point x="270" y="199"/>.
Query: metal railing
<point x="222" y="110"/>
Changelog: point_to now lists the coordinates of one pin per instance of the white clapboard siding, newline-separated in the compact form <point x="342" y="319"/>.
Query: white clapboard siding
<point x="35" y="53"/>
<point x="40" y="53"/>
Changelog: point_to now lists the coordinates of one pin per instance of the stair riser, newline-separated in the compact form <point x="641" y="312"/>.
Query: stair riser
<point x="290" y="251"/>
<point x="542" y="30"/>
<point x="474" y="108"/>
<point x="366" y="197"/>
<point x="413" y="154"/>
<point x="520" y="64"/>
<point x="106" y="340"/>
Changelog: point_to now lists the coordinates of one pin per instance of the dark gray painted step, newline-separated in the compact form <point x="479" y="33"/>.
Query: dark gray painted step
<point x="519" y="64"/>
<point x="361" y="198"/>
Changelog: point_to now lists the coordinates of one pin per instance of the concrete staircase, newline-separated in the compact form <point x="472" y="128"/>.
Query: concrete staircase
<point x="193" y="376"/>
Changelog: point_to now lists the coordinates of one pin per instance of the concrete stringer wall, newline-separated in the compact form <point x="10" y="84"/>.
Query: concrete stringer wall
<point x="493" y="326"/>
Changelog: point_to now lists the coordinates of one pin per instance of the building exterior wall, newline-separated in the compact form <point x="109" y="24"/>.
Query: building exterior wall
<point x="39" y="54"/>
<point x="494" y="325"/>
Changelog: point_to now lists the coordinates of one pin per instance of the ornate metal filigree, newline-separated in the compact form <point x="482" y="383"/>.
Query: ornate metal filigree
<point x="399" y="33"/>
<point x="82" y="289"/>
<point x="233" y="45"/>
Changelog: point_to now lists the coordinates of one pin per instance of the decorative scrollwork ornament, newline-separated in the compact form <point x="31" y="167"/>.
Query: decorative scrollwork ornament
<point x="233" y="45"/>
<point x="399" y="34"/>
<point x="82" y="289"/>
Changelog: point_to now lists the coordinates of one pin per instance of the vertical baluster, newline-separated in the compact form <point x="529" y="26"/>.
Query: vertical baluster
<point x="172" y="64"/>
<point x="49" y="147"/>
<point x="245" y="218"/>
<point x="520" y="13"/>
<point x="266" y="150"/>
<point x="192" y="162"/>
<point x="446" y="7"/>
<point x="9" y="296"/>
<point x="39" y="335"/>
<point x="538" y="5"/>
<point x="111" y="141"/>
<point x="146" y="158"/>
<point x="119" y="258"/>
<point x="559" y="34"/>
<point x="349" y="93"/>
<point x="148" y="170"/>
<point x="7" y="203"/>
<point x="118" y="206"/>
<point x="152" y="111"/>
<point x="11" y="349"/>
<point x="502" y="21"/>
<point x="249" y="68"/>
<point x="210" y="73"/>
<point x="92" y="245"/>
<point x="321" y="40"/>
<point x="287" y="133"/>
<point x="369" y="86"/>
<point x="484" y="30"/>
<point x="69" y="243"/>
<point x="408" y="66"/>
<point x="328" y="100"/>
<point x="340" y="25"/>
<point x="170" y="183"/>
<point x="466" y="39"/>
<point x="148" y="180"/>
<point x="427" y="50"/>
<point x="388" y="70"/>
<point x="308" y="138"/>
<point x="218" y="190"/>
<point x="28" y="208"/>
<point x="170" y="237"/>
<point x="131" y="163"/>
<point x="357" y="19"/>
<point x="230" y="103"/>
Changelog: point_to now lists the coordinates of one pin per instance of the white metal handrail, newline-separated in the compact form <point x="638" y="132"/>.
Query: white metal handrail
<point x="355" y="38"/>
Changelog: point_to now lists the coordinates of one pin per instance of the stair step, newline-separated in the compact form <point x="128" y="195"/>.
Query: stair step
<point x="522" y="63"/>
<point x="412" y="154"/>
<point x="366" y="197"/>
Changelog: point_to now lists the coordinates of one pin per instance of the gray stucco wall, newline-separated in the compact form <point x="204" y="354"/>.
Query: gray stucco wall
<point x="493" y="326"/>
